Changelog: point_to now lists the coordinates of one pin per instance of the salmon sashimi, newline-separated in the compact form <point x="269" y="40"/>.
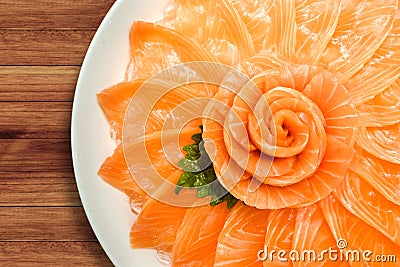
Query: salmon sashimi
<point x="262" y="62"/>
<point x="279" y="235"/>
<point x="242" y="237"/>
<point x="171" y="48"/>
<point x="114" y="101"/>
<point x="156" y="226"/>
<point x="316" y="22"/>
<point x="382" y="142"/>
<point x="382" y="175"/>
<point x="115" y="172"/>
<point x="160" y="166"/>
<point x="361" y="29"/>
<point x="312" y="231"/>
<point x="304" y="170"/>
<point x="383" y="109"/>
<point x="215" y="25"/>
<point x="296" y="106"/>
<point x="357" y="234"/>
<point x="380" y="71"/>
<point x="271" y="23"/>
<point x="197" y="238"/>
<point x="370" y="206"/>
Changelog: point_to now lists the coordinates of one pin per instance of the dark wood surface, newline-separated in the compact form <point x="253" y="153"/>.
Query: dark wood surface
<point x="42" y="46"/>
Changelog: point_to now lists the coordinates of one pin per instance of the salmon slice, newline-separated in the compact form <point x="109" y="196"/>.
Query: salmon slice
<point x="357" y="233"/>
<point x="383" y="109"/>
<point x="310" y="190"/>
<point x="279" y="236"/>
<point x="155" y="48"/>
<point x="316" y="22"/>
<point x="197" y="238"/>
<point x="271" y="23"/>
<point x="370" y="206"/>
<point x="361" y="29"/>
<point x="114" y="102"/>
<point x="115" y="172"/>
<point x="156" y="226"/>
<point x="382" y="175"/>
<point x="312" y="233"/>
<point x="328" y="111"/>
<point x="382" y="142"/>
<point x="261" y="62"/>
<point x="158" y="153"/>
<point x="380" y="71"/>
<point x="242" y="237"/>
<point x="215" y="25"/>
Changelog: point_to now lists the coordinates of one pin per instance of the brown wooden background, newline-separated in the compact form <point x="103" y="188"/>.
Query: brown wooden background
<point x="42" y="46"/>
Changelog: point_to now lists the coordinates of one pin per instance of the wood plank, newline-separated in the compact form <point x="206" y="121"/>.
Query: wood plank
<point x="44" y="47"/>
<point x="38" y="254"/>
<point x="40" y="120"/>
<point x="44" y="224"/>
<point x="42" y="14"/>
<point x="38" y="189"/>
<point x="35" y="155"/>
<point x="38" y="83"/>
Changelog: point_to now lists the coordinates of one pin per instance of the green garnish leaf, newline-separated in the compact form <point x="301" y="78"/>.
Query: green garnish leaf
<point x="231" y="201"/>
<point x="197" y="138"/>
<point x="202" y="192"/>
<point x="189" y="165"/>
<point x="199" y="174"/>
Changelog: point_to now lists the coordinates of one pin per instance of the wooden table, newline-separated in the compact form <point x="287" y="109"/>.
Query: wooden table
<point x="42" y="46"/>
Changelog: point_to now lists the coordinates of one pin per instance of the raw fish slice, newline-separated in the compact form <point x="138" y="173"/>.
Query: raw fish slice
<point x="369" y="205"/>
<point x="340" y="114"/>
<point x="216" y="26"/>
<point x="312" y="233"/>
<point x="382" y="142"/>
<point x="155" y="48"/>
<point x="383" y="109"/>
<point x="316" y="22"/>
<point x="328" y="176"/>
<point x="361" y="29"/>
<point x="242" y="237"/>
<point x="156" y="226"/>
<point x="165" y="107"/>
<point x="279" y="235"/>
<point x="380" y="71"/>
<point x="153" y="158"/>
<point x="263" y="61"/>
<point x="114" y="101"/>
<point x="197" y="238"/>
<point x="153" y="109"/>
<point x="115" y="172"/>
<point x="382" y="175"/>
<point x="357" y="233"/>
<point x="271" y="23"/>
<point x="332" y="108"/>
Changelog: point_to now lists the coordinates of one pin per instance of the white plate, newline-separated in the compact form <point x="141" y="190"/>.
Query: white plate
<point x="106" y="208"/>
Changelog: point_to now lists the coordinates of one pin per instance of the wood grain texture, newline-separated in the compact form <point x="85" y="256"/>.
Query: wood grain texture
<point x="39" y="254"/>
<point x="38" y="83"/>
<point x="42" y="46"/>
<point x="38" y="189"/>
<point x="41" y="120"/>
<point x="35" y="155"/>
<point x="26" y="47"/>
<point x="44" y="224"/>
<point x="44" y="14"/>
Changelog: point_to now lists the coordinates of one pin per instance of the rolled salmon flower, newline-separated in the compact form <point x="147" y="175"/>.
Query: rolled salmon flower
<point x="286" y="138"/>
